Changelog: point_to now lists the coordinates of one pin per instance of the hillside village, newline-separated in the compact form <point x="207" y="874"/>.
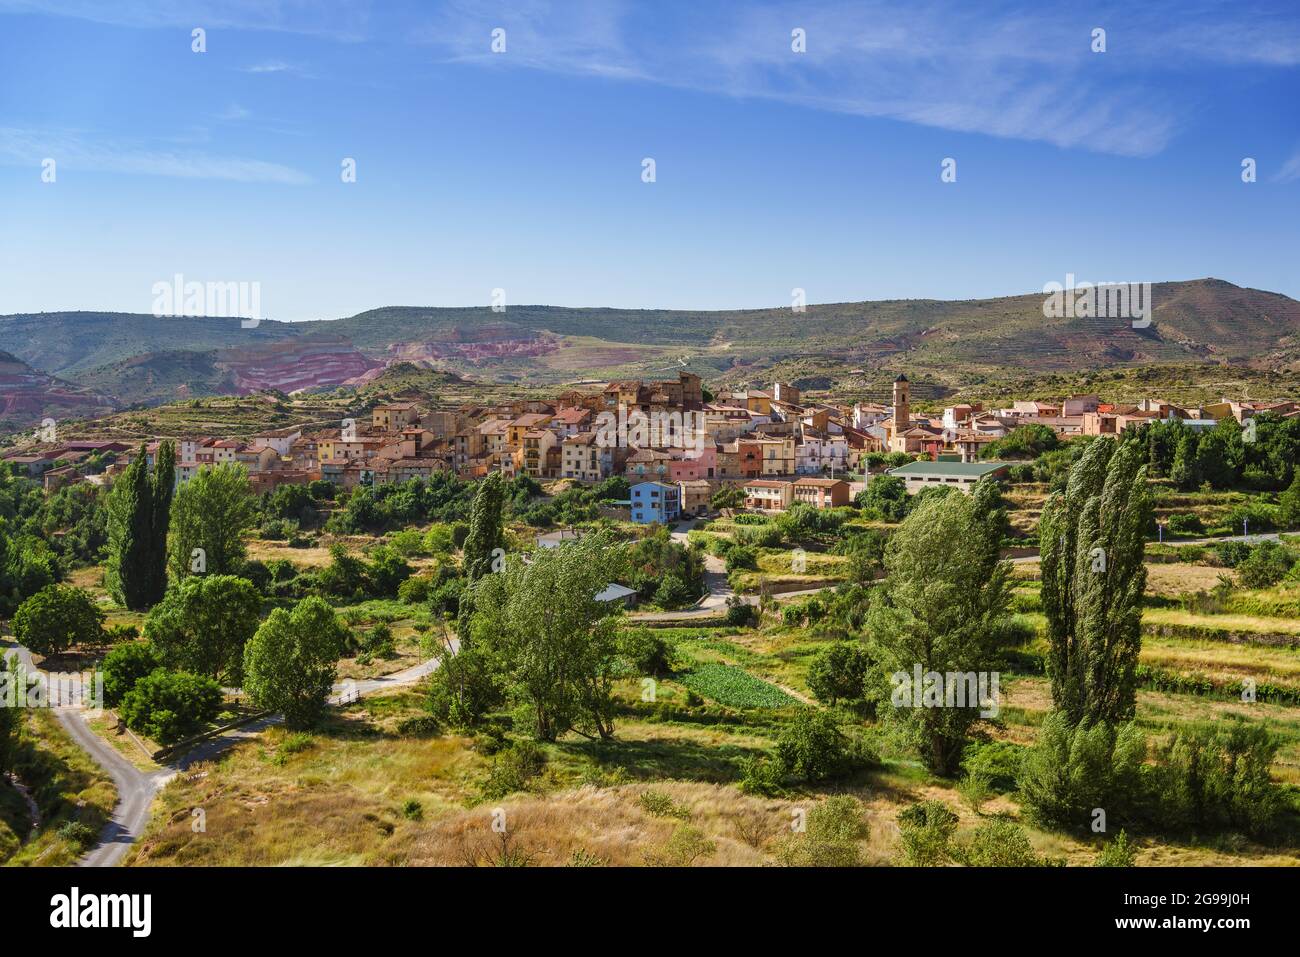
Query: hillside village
<point x="672" y="436"/>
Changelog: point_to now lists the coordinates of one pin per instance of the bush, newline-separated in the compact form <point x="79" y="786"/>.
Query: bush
<point x="1232" y="554"/>
<point x="77" y="834"/>
<point x="513" y="769"/>
<point x="1072" y="770"/>
<point x="759" y="536"/>
<point x="169" y="705"/>
<point x="660" y="804"/>
<point x="997" y="761"/>
<point x="741" y="558"/>
<point x="999" y="843"/>
<point x="925" y="830"/>
<point x="124" y="666"/>
<point x="740" y="613"/>
<point x="761" y="775"/>
<point x="813" y="748"/>
<point x="647" y="652"/>
<point x="975" y="789"/>
<point x="1118" y="853"/>
<point x="1218" y="779"/>
<point x="1266" y="565"/>
<point x="839" y="673"/>
<point x="830" y="838"/>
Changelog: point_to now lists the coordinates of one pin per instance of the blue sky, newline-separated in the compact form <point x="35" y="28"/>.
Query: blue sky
<point x="522" y="170"/>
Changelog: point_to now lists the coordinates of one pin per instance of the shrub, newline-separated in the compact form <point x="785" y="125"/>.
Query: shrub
<point x="740" y="613"/>
<point x="660" y="804"/>
<point x="761" y="775"/>
<point x="741" y="558"/>
<point x="1118" y="853"/>
<point x="647" y="652"/>
<point x="79" y="835"/>
<point x="169" y="705"/>
<point x="975" y="789"/>
<point x="813" y="748"/>
<point x="1266" y="565"/>
<point x="1218" y="778"/>
<point x="124" y="666"/>
<point x="412" y="809"/>
<point x="996" y="761"/>
<point x="1072" y="770"/>
<point x="513" y="769"/>
<point x="683" y="849"/>
<point x="419" y="726"/>
<point x="999" y="843"/>
<point x="1232" y="554"/>
<point x="830" y="837"/>
<point x="839" y="673"/>
<point x="925" y="830"/>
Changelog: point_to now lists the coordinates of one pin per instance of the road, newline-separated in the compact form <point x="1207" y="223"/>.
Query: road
<point x="136" y="789"/>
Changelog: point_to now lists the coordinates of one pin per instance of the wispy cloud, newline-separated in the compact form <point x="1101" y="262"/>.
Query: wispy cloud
<point x="1290" y="171"/>
<point x="233" y="113"/>
<point x="73" y="152"/>
<point x="343" y="20"/>
<point x="272" y="67"/>
<point x="1023" y="75"/>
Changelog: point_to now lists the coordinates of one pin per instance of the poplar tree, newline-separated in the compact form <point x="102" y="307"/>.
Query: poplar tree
<point x="161" y="488"/>
<point x="128" y="573"/>
<point x="485" y="533"/>
<point x="1092" y="540"/>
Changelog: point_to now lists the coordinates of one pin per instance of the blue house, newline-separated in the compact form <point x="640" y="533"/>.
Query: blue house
<point x="656" y="502"/>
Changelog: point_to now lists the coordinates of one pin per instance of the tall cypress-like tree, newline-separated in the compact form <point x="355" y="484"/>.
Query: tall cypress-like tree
<point x="161" y="486"/>
<point x="1092" y="540"/>
<point x="485" y="533"/>
<point x="128" y="573"/>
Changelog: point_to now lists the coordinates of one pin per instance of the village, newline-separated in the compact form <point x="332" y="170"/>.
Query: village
<point x="675" y="444"/>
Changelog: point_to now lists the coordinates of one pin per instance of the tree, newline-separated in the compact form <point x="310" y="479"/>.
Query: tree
<point x="128" y="573"/>
<point x="886" y="495"/>
<point x="210" y="512"/>
<point x="941" y="610"/>
<point x="485" y="534"/>
<point x="839" y="673"/>
<point x="161" y="487"/>
<point x="125" y="665"/>
<point x="1288" y="504"/>
<point x="168" y="705"/>
<point x="1185" y="472"/>
<point x="1092" y="544"/>
<point x="556" y="645"/>
<point x="813" y="748"/>
<point x="11" y="716"/>
<point x="291" y="661"/>
<point x="728" y="496"/>
<point x="203" y="623"/>
<point x="56" y="618"/>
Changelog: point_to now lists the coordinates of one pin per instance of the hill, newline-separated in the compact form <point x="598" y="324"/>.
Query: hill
<point x="28" y="396"/>
<point x="845" y="347"/>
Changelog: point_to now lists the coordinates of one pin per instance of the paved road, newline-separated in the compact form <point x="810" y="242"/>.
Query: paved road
<point x="136" y="789"/>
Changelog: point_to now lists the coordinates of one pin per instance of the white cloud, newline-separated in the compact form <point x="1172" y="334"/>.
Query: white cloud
<point x="72" y="152"/>
<point x="1290" y="171"/>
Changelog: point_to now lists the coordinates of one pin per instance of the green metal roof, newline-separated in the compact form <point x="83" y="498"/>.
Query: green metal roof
<point x="954" y="469"/>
